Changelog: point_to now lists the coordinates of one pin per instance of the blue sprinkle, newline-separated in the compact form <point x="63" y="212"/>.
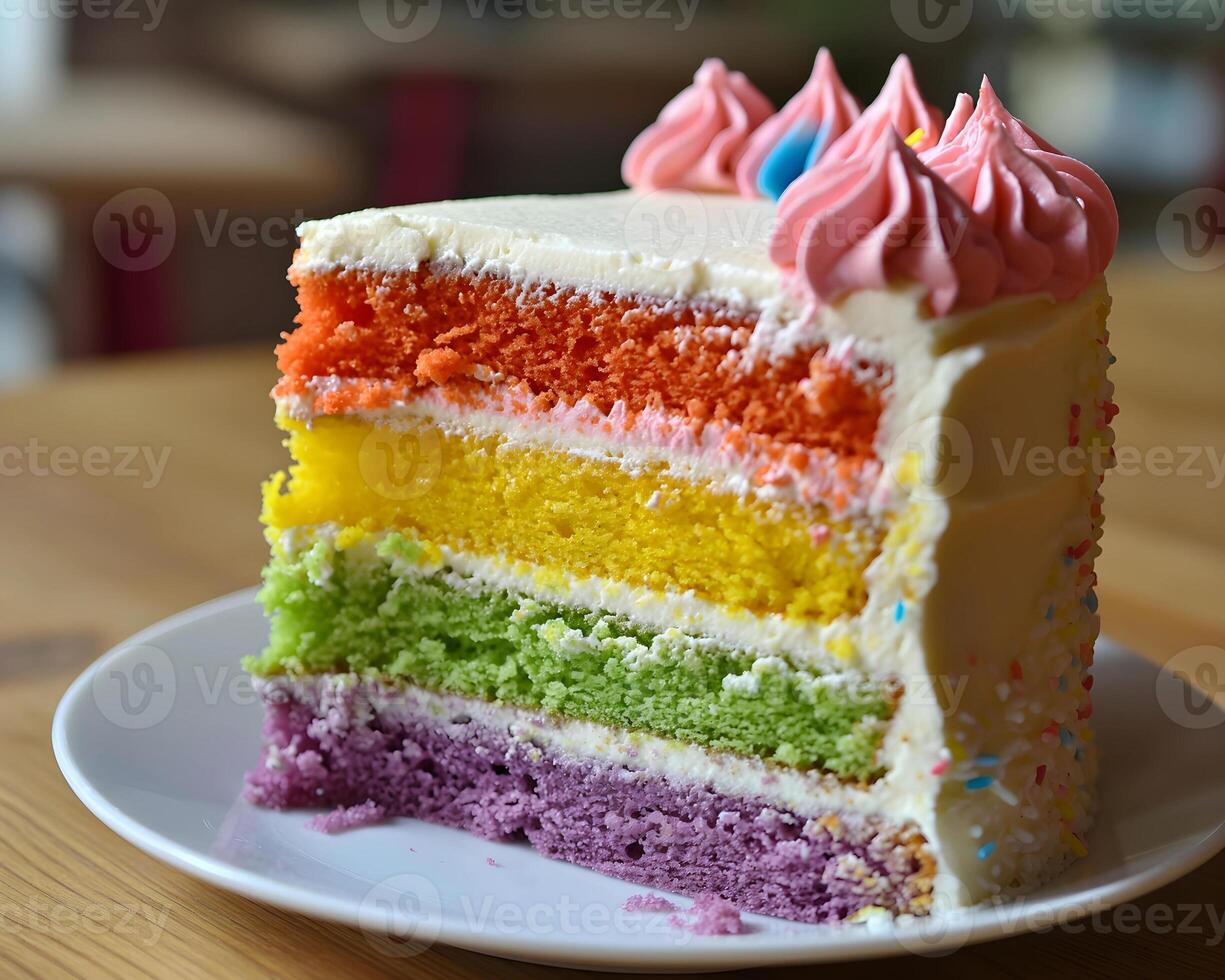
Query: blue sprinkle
<point x="1065" y="737"/>
<point x="1090" y="601"/>
<point x="899" y="612"/>
<point x="1112" y="359"/>
<point x="987" y="760"/>
<point x="1063" y="683"/>
<point x="985" y="851"/>
<point x="1050" y="612"/>
<point x="980" y="782"/>
<point x="787" y="160"/>
<point x="1069" y="560"/>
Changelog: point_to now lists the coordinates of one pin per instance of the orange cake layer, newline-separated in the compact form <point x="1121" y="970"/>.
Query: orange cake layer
<point x="431" y="326"/>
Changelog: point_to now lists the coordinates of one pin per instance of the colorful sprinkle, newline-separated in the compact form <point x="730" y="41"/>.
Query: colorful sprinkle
<point x="1014" y="671"/>
<point x="940" y="768"/>
<point x="987" y="760"/>
<point x="1005" y="794"/>
<point x="979" y="782"/>
<point x="899" y="612"/>
<point x="1090" y="601"/>
<point x="986" y="850"/>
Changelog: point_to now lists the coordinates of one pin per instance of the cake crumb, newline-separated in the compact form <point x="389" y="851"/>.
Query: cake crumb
<point x="648" y="903"/>
<point x="347" y="818"/>
<point x="492" y="863"/>
<point x="710" y="916"/>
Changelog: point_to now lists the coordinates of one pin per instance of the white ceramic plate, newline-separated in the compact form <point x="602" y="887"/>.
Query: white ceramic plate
<point x="155" y="737"/>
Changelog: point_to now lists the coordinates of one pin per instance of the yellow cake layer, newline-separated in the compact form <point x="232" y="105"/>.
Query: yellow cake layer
<point x="569" y="513"/>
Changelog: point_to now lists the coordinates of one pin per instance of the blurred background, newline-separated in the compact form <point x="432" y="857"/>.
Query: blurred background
<point x="157" y="154"/>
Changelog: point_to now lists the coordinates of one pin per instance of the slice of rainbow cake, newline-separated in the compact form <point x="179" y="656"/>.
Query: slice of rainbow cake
<point x="695" y="536"/>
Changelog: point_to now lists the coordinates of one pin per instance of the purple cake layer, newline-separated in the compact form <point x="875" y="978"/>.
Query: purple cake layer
<point x="336" y="749"/>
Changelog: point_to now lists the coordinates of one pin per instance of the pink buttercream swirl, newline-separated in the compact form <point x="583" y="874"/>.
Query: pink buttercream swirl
<point x="899" y="107"/>
<point x="965" y="130"/>
<point x="870" y="221"/>
<point x="823" y="103"/>
<point x="700" y="135"/>
<point x="1041" y="227"/>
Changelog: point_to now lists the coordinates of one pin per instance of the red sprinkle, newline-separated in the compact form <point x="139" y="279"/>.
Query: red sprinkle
<point x="1040" y="775"/>
<point x="1081" y="548"/>
<point x="1014" y="669"/>
<point x="1087" y="683"/>
<point x="1085" y="712"/>
<point x="940" y="767"/>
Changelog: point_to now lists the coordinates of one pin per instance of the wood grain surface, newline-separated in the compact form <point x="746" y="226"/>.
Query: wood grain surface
<point x="97" y="545"/>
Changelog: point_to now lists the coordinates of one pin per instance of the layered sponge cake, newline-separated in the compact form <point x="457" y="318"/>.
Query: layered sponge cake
<point x="689" y="535"/>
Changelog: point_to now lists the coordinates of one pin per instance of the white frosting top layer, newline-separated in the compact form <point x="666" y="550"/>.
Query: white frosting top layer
<point x="666" y="244"/>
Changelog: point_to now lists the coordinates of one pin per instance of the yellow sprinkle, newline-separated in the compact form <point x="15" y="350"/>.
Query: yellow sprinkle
<point x="914" y="137"/>
<point x="1065" y="809"/>
<point x="1076" y="844"/>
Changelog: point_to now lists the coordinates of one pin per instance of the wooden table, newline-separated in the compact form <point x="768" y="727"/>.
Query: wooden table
<point x="89" y="559"/>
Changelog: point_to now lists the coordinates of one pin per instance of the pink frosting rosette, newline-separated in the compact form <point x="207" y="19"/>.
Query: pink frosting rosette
<point x="795" y="137"/>
<point x="899" y="107"/>
<point x="700" y="135"/>
<point x="1042" y="229"/>
<point x="966" y="129"/>
<point x="880" y="219"/>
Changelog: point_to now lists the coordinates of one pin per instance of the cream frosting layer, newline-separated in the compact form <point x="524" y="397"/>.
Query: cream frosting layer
<point x="666" y="245"/>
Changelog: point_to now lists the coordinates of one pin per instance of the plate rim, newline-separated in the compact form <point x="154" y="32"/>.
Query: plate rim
<point x="974" y="925"/>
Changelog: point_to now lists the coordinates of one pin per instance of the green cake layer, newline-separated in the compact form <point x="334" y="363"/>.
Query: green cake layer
<point x="373" y="610"/>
